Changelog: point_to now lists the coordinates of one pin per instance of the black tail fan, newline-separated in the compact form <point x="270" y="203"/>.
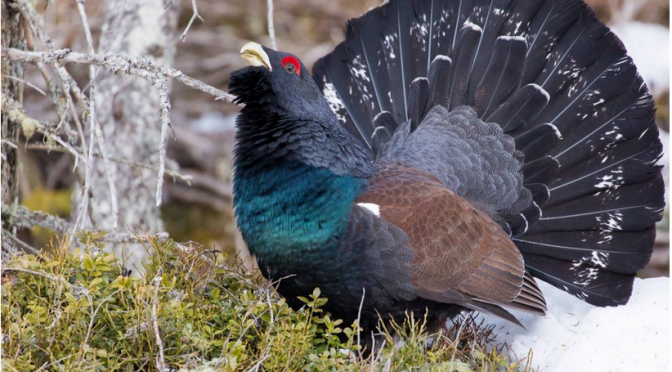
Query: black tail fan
<point x="554" y="78"/>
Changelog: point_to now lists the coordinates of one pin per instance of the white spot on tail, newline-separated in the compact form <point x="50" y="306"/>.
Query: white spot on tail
<point x="334" y="102"/>
<point x="373" y="208"/>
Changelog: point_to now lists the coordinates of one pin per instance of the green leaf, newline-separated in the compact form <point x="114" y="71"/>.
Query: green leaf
<point x="88" y="263"/>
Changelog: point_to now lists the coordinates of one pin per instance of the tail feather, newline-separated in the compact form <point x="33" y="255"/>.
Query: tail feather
<point x="440" y="80"/>
<point x="630" y="162"/>
<point x="503" y="75"/>
<point x="536" y="141"/>
<point x="582" y="279"/>
<point x="470" y="37"/>
<point x="519" y="110"/>
<point x="547" y="28"/>
<point x="543" y="170"/>
<point x="490" y="16"/>
<point x="614" y="254"/>
<point x="417" y="101"/>
<point x="556" y="80"/>
<point x="634" y="209"/>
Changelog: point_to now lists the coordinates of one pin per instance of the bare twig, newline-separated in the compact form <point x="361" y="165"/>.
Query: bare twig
<point x="32" y="272"/>
<point x="359" y="320"/>
<point x="160" y="359"/>
<point x="25" y="82"/>
<point x="83" y="207"/>
<point x="79" y="220"/>
<point x="93" y="316"/>
<point x="457" y="337"/>
<point x="195" y="15"/>
<point x="94" y="125"/>
<point x="68" y="84"/>
<point x="271" y="26"/>
<point x="165" y="124"/>
<point x="186" y="178"/>
<point x="46" y="365"/>
<point x="266" y="355"/>
<point x="138" y="66"/>
<point x="18" y="241"/>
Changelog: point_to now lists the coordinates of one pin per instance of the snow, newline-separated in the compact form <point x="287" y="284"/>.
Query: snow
<point x="576" y="336"/>
<point x="649" y="46"/>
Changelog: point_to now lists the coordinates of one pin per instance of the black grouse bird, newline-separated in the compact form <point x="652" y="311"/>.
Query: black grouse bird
<point x="446" y="154"/>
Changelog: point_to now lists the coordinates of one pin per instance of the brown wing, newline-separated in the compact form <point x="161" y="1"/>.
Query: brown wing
<point x="457" y="248"/>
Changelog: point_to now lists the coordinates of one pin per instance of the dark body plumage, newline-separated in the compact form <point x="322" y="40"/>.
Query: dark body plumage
<point x="445" y="156"/>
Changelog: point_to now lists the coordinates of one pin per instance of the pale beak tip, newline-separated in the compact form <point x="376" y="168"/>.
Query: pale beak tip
<point x="255" y="55"/>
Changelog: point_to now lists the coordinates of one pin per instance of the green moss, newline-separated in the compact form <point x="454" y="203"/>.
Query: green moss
<point x="77" y="311"/>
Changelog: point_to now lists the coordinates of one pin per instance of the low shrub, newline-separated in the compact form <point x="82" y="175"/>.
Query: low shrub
<point x="193" y="309"/>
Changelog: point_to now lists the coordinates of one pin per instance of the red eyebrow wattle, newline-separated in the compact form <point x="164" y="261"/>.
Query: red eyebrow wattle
<point x="294" y="61"/>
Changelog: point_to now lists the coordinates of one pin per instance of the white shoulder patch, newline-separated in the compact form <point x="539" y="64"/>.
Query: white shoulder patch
<point x="373" y="208"/>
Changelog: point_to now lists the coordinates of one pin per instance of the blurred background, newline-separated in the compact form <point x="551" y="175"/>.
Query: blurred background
<point x="201" y="211"/>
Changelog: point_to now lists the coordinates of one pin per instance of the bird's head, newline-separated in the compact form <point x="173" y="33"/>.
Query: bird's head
<point x="287" y="117"/>
<point x="276" y="79"/>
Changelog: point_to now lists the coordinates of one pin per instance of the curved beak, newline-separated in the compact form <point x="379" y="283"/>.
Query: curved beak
<point x="254" y="55"/>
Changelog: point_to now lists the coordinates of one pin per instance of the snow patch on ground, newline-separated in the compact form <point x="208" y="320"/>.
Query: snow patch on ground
<point x="649" y="46"/>
<point x="576" y="336"/>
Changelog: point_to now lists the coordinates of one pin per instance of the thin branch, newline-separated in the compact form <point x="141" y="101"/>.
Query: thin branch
<point x="95" y="126"/>
<point x="138" y="66"/>
<point x="68" y="84"/>
<point x="79" y="220"/>
<point x="165" y="124"/>
<point x="37" y="273"/>
<point x="25" y="82"/>
<point x="160" y="359"/>
<point x="359" y="320"/>
<point x="93" y="316"/>
<point x="271" y="26"/>
<point x="195" y="15"/>
<point x="7" y="234"/>
<point x="186" y="178"/>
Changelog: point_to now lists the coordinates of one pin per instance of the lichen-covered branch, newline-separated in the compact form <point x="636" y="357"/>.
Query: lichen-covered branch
<point x="138" y="66"/>
<point x="22" y="217"/>
<point x="14" y="113"/>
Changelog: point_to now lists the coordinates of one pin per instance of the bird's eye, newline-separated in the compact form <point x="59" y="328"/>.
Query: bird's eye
<point x="291" y="65"/>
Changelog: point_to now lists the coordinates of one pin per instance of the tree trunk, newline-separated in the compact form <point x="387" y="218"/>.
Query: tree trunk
<point x="12" y="37"/>
<point x="127" y="108"/>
